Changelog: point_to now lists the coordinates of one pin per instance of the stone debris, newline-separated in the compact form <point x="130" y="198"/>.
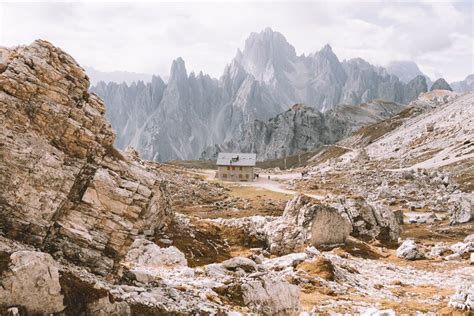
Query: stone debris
<point x="409" y="250"/>
<point x="462" y="208"/>
<point x="146" y="261"/>
<point x="463" y="298"/>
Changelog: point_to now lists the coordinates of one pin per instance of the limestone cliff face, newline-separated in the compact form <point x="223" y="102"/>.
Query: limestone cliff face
<point x="65" y="189"/>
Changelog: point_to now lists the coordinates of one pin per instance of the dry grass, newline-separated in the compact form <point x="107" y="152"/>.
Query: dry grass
<point x="327" y="153"/>
<point x="320" y="267"/>
<point x="248" y="192"/>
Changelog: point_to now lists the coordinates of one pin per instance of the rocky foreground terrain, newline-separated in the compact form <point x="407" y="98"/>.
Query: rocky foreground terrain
<point x="383" y="223"/>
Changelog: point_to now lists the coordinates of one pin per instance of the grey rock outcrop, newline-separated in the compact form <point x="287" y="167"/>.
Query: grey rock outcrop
<point x="441" y="84"/>
<point x="415" y="87"/>
<point x="264" y="79"/>
<point x="65" y="189"/>
<point x="370" y="220"/>
<point x="303" y="128"/>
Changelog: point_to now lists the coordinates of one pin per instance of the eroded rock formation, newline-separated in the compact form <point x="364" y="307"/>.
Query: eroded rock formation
<point x="65" y="189"/>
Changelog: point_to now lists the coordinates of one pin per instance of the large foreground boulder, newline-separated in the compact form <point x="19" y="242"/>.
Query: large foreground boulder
<point x="31" y="283"/>
<point x="65" y="189"/>
<point x="304" y="222"/>
<point x="369" y="219"/>
<point x="307" y="221"/>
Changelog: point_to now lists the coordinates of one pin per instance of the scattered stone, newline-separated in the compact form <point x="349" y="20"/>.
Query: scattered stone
<point x="409" y="250"/>
<point x="242" y="263"/>
<point x="463" y="298"/>
<point x="462" y="210"/>
<point x="270" y="296"/>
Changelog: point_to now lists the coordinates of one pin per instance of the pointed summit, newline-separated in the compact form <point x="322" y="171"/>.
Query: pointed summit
<point x="327" y="53"/>
<point x="327" y="49"/>
<point x="178" y="70"/>
<point x="266" y="52"/>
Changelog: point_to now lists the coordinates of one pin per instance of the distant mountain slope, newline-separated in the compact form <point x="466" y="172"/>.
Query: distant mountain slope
<point x="303" y="128"/>
<point x="436" y="129"/>
<point x="406" y="70"/>
<point x="178" y="120"/>
<point x="97" y="76"/>
<point x="465" y="85"/>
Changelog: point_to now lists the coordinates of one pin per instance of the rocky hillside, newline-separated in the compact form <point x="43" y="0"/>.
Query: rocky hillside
<point x="303" y="128"/>
<point x="264" y="79"/>
<point x="432" y="138"/>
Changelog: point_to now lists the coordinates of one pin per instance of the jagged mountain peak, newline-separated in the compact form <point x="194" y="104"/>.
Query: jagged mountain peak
<point x="157" y="80"/>
<point x="178" y="70"/>
<point x="327" y="49"/>
<point x="265" y="54"/>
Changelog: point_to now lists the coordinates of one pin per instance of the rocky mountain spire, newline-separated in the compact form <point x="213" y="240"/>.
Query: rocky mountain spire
<point x="178" y="71"/>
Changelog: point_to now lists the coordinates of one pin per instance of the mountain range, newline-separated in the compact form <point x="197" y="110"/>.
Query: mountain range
<point x="97" y="76"/>
<point x="181" y="118"/>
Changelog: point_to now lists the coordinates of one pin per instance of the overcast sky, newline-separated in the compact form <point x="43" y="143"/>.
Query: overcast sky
<point x="146" y="37"/>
